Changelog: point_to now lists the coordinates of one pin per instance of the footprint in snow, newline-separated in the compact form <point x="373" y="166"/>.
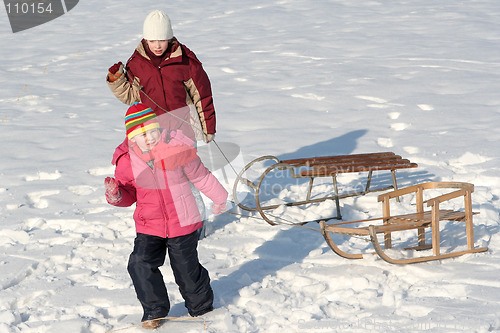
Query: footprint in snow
<point x="393" y="115"/>
<point x="372" y="99"/>
<point x="36" y="199"/>
<point x="228" y="70"/>
<point x="425" y="107"/>
<point x="385" y="142"/>
<point x="411" y="149"/>
<point x="105" y="171"/>
<point x="308" y="96"/>
<point x="43" y="176"/>
<point x="380" y="103"/>
<point x="399" y="126"/>
<point x="82" y="189"/>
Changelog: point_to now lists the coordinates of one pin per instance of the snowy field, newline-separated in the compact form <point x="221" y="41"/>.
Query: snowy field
<point x="290" y="79"/>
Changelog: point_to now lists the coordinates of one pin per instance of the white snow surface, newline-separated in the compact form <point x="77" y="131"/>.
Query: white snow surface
<point x="290" y="79"/>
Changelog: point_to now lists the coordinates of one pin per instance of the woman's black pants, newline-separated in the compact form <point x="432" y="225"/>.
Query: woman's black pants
<point x="191" y="277"/>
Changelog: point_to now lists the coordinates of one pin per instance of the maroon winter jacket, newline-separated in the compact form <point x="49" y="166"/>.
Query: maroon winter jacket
<point x="177" y="82"/>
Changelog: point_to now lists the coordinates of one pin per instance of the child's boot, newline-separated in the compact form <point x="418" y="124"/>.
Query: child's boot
<point x="151" y="324"/>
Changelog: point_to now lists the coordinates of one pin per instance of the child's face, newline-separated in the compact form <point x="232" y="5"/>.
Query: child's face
<point x="158" y="47"/>
<point x="148" y="139"/>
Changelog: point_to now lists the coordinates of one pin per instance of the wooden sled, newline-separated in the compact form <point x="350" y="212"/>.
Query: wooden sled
<point x="314" y="167"/>
<point x="420" y="220"/>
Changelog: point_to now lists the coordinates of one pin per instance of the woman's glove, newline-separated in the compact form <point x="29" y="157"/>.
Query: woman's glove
<point x="115" y="72"/>
<point x="218" y="209"/>
<point x="209" y="137"/>
<point x="113" y="194"/>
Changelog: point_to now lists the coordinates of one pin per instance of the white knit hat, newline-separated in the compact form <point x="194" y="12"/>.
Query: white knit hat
<point x="157" y="26"/>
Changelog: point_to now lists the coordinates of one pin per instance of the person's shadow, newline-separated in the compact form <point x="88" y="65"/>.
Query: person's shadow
<point x="289" y="246"/>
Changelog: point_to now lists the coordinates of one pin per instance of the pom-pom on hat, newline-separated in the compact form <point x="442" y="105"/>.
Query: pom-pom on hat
<point x="139" y="119"/>
<point x="157" y="26"/>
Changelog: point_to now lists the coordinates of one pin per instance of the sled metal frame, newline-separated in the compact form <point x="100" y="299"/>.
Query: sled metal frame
<point x="326" y="166"/>
<point x="417" y="221"/>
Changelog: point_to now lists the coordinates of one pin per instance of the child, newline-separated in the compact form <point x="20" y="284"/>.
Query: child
<point x="155" y="172"/>
<point x="166" y="76"/>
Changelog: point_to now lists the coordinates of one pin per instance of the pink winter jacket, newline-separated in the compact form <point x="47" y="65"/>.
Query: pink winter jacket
<point x="165" y="204"/>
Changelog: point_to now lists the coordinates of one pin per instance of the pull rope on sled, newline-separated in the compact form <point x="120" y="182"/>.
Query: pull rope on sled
<point x="283" y="221"/>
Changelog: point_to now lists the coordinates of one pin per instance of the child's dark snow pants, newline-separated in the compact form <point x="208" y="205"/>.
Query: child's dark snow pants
<point x="191" y="277"/>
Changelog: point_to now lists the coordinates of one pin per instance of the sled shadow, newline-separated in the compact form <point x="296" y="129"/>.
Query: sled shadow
<point x="341" y="145"/>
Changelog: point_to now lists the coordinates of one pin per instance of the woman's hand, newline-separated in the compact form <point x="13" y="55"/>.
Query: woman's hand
<point x="115" y="72"/>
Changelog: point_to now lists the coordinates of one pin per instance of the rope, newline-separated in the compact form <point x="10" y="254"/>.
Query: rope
<point x="197" y="127"/>
<point x="283" y="220"/>
<point x="290" y="223"/>
<point x="198" y="320"/>
<point x="225" y="157"/>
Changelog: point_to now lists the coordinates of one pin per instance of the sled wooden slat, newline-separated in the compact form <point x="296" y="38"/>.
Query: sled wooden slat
<point x="325" y="171"/>
<point x="310" y="161"/>
<point x="419" y="221"/>
<point x="331" y="166"/>
<point x="325" y="166"/>
<point x="400" y="223"/>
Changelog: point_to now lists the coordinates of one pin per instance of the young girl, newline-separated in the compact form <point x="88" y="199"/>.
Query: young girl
<point x="166" y="76"/>
<point x="155" y="172"/>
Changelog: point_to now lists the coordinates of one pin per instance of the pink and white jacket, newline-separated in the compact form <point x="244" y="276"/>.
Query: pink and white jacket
<point x="165" y="204"/>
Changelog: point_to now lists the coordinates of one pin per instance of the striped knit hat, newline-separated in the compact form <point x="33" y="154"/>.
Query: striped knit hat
<point x="139" y="119"/>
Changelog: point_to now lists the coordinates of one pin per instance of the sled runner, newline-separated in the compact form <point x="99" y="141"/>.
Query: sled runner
<point x="420" y="220"/>
<point x="316" y="167"/>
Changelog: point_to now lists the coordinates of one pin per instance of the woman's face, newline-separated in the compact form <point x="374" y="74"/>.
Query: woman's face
<point x="158" y="47"/>
<point x="148" y="139"/>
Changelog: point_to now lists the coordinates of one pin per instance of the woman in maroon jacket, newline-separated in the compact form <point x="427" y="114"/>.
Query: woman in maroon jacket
<point x="166" y="76"/>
